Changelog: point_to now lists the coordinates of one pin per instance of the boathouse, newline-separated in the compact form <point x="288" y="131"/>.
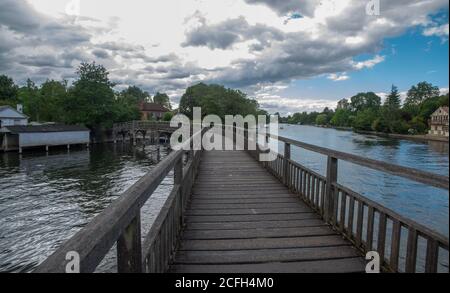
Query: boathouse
<point x="17" y="137"/>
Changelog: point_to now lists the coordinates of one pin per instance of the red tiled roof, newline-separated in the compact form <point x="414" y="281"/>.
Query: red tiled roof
<point x="152" y="107"/>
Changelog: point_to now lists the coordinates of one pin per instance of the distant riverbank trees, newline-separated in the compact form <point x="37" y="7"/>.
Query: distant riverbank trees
<point x="90" y="100"/>
<point x="365" y="111"/>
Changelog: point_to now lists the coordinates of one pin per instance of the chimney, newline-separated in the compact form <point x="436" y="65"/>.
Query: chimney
<point x="20" y="108"/>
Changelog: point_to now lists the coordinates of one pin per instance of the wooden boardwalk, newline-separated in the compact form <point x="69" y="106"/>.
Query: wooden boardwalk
<point x="229" y="213"/>
<point x="242" y="219"/>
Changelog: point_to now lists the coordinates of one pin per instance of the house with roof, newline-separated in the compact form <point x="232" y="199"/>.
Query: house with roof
<point x="10" y="116"/>
<point x="152" y="111"/>
<point x="439" y="122"/>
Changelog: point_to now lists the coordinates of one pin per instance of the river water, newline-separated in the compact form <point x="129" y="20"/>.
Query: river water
<point x="46" y="199"/>
<point x="426" y="205"/>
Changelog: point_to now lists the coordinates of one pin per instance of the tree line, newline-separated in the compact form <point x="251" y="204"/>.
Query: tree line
<point x="365" y="111"/>
<point x="90" y="100"/>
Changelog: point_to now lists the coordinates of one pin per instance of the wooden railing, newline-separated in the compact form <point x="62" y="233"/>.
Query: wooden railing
<point x="121" y="223"/>
<point x="370" y="226"/>
<point x="143" y="125"/>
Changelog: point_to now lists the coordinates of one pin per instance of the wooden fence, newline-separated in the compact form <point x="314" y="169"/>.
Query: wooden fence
<point x="121" y="223"/>
<point x="364" y="222"/>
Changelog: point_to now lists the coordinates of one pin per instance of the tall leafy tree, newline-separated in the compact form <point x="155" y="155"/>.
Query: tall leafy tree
<point x="216" y="99"/>
<point x="162" y="99"/>
<point x="363" y="101"/>
<point x="137" y="94"/>
<point x="420" y="92"/>
<point x="30" y="97"/>
<point x="91" y="99"/>
<point x="8" y="91"/>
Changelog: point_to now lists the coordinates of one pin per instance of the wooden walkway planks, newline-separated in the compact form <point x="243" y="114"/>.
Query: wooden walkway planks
<point x="241" y="219"/>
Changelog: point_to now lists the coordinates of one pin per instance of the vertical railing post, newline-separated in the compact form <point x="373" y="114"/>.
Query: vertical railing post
<point x="129" y="250"/>
<point x="332" y="169"/>
<point x="287" y="157"/>
<point x="178" y="171"/>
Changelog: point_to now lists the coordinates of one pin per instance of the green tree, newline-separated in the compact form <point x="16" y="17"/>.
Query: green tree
<point x="8" y="91"/>
<point x="91" y="99"/>
<point x="393" y="99"/>
<point x="216" y="99"/>
<point x="136" y="94"/>
<point x="52" y="95"/>
<point x="364" y="119"/>
<point x="420" y="92"/>
<point x="341" y="118"/>
<point x="322" y="119"/>
<point x="30" y="97"/>
<point x="167" y="116"/>
<point x="162" y="99"/>
<point x="363" y="101"/>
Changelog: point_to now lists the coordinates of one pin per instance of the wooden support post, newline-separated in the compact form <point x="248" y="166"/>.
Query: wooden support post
<point x="129" y="250"/>
<point x="332" y="169"/>
<point x="178" y="171"/>
<point x="46" y="148"/>
<point x="287" y="157"/>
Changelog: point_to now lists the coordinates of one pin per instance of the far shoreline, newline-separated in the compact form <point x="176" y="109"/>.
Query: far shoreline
<point x="417" y="137"/>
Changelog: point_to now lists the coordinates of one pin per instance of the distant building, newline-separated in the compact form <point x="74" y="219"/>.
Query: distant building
<point x="439" y="122"/>
<point x="10" y="116"/>
<point x="152" y="111"/>
<point x="17" y="137"/>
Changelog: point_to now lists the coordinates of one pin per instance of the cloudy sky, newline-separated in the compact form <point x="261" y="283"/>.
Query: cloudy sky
<point x="291" y="55"/>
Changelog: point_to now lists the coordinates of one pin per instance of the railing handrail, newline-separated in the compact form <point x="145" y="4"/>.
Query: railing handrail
<point x="95" y="240"/>
<point x="338" y="204"/>
<point x="425" y="177"/>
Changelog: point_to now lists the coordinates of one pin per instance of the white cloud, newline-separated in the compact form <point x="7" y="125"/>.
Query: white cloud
<point x="168" y="45"/>
<point x="438" y="31"/>
<point x="368" y="63"/>
<point x="338" y="77"/>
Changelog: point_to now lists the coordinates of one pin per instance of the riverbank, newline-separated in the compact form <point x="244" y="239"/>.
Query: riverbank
<point x="417" y="137"/>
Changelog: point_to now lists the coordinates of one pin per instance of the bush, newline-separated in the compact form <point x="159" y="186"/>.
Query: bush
<point x="418" y="125"/>
<point x="168" y="116"/>
<point x="380" y="125"/>
<point x="400" y="127"/>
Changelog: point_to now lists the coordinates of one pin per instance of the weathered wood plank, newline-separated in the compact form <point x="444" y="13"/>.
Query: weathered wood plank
<point x="257" y="233"/>
<point x="263" y="243"/>
<point x="254" y="211"/>
<point x="249" y="218"/>
<point x="315" y="221"/>
<point x="264" y="255"/>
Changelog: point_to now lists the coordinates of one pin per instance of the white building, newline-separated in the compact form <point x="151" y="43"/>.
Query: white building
<point x="9" y="116"/>
<point x="439" y="122"/>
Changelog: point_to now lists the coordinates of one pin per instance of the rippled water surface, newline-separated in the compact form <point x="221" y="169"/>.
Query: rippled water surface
<point x="426" y="205"/>
<point x="45" y="199"/>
